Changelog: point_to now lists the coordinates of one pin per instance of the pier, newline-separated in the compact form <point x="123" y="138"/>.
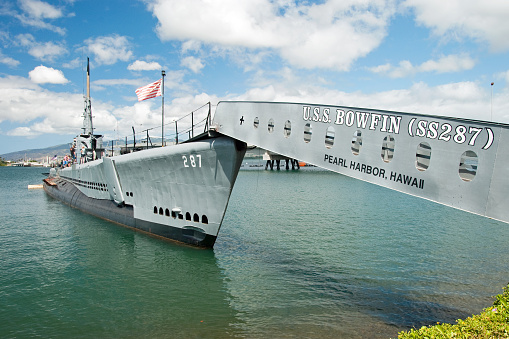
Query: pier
<point x="271" y="157"/>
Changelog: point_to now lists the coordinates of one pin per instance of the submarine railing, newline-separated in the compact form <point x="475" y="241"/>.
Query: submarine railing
<point x="184" y="130"/>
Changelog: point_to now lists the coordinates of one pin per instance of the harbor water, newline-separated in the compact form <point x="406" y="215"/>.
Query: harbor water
<point x="301" y="254"/>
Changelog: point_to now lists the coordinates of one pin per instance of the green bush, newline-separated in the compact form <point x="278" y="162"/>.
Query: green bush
<point x="493" y="322"/>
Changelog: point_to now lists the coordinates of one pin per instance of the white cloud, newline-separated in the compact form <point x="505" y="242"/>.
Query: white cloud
<point x="4" y="36"/>
<point x="116" y="82"/>
<point x="8" y="60"/>
<point x="191" y="45"/>
<point x="35" y="12"/>
<point x="330" y="35"/>
<point x="449" y="63"/>
<point x="385" y="68"/>
<point x="194" y="64"/>
<point x="463" y="100"/>
<point x="140" y="115"/>
<point x="147" y="114"/>
<point x="505" y="76"/>
<point x="73" y="63"/>
<point x="174" y="80"/>
<point x="23" y="101"/>
<point x="46" y="51"/>
<point x="500" y="81"/>
<point x="25" y="40"/>
<point x="40" y="9"/>
<point x="26" y="103"/>
<point x="445" y="64"/>
<point x="45" y="75"/>
<point x="98" y="85"/>
<point x="140" y="65"/>
<point x="485" y="21"/>
<point x="21" y="132"/>
<point x="109" y="49"/>
<point x="39" y="111"/>
<point x="247" y="60"/>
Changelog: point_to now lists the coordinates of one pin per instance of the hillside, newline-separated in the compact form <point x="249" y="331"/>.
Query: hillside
<point x="42" y="153"/>
<point x="37" y="154"/>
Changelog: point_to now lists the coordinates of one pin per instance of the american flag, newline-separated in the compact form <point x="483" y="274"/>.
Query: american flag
<point x="150" y="91"/>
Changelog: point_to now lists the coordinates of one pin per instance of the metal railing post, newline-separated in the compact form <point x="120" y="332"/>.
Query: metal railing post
<point x="176" y="133"/>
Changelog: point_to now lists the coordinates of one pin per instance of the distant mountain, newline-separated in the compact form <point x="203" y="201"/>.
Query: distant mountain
<point x="41" y="153"/>
<point x="37" y="154"/>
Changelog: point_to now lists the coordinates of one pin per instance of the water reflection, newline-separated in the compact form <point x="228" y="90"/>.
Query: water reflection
<point x="156" y="288"/>
<point x="68" y="274"/>
<point x="316" y="258"/>
<point x="300" y="254"/>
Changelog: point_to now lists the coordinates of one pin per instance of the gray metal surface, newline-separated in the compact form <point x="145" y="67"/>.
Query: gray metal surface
<point x="180" y="192"/>
<point x="113" y="181"/>
<point x="455" y="162"/>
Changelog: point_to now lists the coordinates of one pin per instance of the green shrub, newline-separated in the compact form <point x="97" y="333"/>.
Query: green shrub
<point x="493" y="322"/>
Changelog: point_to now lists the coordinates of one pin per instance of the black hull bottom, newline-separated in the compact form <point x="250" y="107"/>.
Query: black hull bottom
<point x="106" y="209"/>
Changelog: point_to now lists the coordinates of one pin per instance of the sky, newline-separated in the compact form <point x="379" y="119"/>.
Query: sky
<point x="422" y="56"/>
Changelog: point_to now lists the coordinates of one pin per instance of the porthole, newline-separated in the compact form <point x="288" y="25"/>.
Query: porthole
<point x="256" y="122"/>
<point x="287" y="129"/>
<point x="468" y="165"/>
<point x="174" y="214"/>
<point x="329" y="137"/>
<point x="356" y="142"/>
<point x="270" y="125"/>
<point x="181" y="216"/>
<point x="160" y="210"/>
<point x="155" y="209"/>
<point x="167" y="212"/>
<point x="423" y="156"/>
<point x="388" y="148"/>
<point x="308" y="132"/>
<point x="188" y="216"/>
<point x="196" y="218"/>
<point x="204" y="219"/>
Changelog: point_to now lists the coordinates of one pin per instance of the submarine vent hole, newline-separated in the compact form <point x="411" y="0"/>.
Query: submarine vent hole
<point x="388" y="148"/>
<point x="468" y="165"/>
<point x="423" y="156"/>
<point x="287" y="129"/>
<point x="271" y="125"/>
<point x="329" y="137"/>
<point x="357" y="142"/>
<point x="308" y="132"/>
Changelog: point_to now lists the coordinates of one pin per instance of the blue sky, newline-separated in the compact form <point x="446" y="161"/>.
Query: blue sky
<point x="424" y="56"/>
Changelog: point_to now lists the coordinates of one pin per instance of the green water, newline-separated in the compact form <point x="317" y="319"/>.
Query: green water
<point x="306" y="254"/>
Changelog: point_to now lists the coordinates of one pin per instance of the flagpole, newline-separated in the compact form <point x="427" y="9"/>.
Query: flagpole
<point x="163" y="73"/>
<point x="491" y="111"/>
